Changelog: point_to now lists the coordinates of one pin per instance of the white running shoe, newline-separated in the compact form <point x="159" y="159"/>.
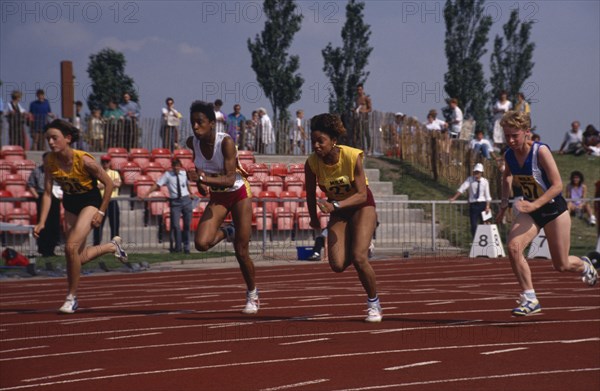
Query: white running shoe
<point x="120" y="254"/>
<point x="70" y="305"/>
<point x="252" y="304"/>
<point x="374" y="314"/>
<point x="591" y="277"/>
<point x="371" y="250"/>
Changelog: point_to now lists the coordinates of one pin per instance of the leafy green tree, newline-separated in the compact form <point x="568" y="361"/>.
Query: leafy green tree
<point x="467" y="31"/>
<point x="345" y="66"/>
<point x="511" y="63"/>
<point x="275" y="70"/>
<point x="106" y="70"/>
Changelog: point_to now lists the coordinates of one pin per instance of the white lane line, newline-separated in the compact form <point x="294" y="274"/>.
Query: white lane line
<point x="133" y="302"/>
<point x="417" y="364"/>
<point x="583" y="309"/>
<point x="20" y="349"/>
<point x="134" y="336"/>
<point x="304" y="383"/>
<point x="305" y="341"/>
<point x="466" y="379"/>
<point x="199" y="355"/>
<point x="87" y="320"/>
<point x="503" y="351"/>
<point x="337" y="333"/>
<point x="581" y="340"/>
<point x="62" y="375"/>
<point x="441" y="302"/>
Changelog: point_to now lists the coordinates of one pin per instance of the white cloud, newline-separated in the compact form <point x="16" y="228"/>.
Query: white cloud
<point x="186" y="48"/>
<point x="134" y="45"/>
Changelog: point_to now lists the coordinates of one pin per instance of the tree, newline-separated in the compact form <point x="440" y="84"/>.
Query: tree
<point x="345" y="66"/>
<point x="109" y="81"/>
<point x="511" y="65"/>
<point x="275" y="70"/>
<point x="467" y="31"/>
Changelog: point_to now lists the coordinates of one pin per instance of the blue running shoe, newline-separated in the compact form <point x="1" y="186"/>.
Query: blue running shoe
<point x="526" y="306"/>
<point x="229" y="230"/>
<point x="591" y="277"/>
<point x="70" y="305"/>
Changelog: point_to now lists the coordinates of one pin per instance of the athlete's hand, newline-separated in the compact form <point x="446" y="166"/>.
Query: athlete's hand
<point x="524" y="206"/>
<point x="37" y="229"/>
<point x="96" y="220"/>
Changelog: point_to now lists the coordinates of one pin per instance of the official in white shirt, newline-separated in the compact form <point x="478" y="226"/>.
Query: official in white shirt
<point x="479" y="195"/>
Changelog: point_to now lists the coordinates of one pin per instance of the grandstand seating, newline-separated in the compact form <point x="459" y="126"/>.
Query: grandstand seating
<point x="157" y="208"/>
<point x="5" y="206"/>
<point x="294" y="184"/>
<point x="154" y="170"/>
<point x="30" y="207"/>
<point x="263" y="221"/>
<point x="20" y="217"/>
<point x="12" y="153"/>
<point x="258" y="169"/>
<point x="284" y="219"/>
<point x="142" y="184"/>
<point x="118" y="157"/>
<point x="278" y="169"/>
<point x="24" y="168"/>
<point x="274" y="184"/>
<point x="270" y="201"/>
<point x="183" y="154"/>
<point x="6" y="169"/>
<point x="296" y="168"/>
<point x="246" y="157"/>
<point x="141" y="156"/>
<point x="162" y="156"/>
<point x="15" y="184"/>
<point x="196" y="216"/>
<point x="286" y="203"/>
<point x="130" y="171"/>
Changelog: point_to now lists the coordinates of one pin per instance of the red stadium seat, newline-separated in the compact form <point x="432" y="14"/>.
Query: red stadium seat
<point x="288" y="201"/>
<point x="263" y="221"/>
<point x="30" y="207"/>
<point x="154" y="170"/>
<point x="183" y="154"/>
<point x="196" y="216"/>
<point x="294" y="184"/>
<point x="142" y="184"/>
<point x="20" y="217"/>
<point x="256" y="185"/>
<point x="117" y="151"/>
<point x="246" y="157"/>
<point x="12" y="153"/>
<point x="6" y="169"/>
<point x="258" y="169"/>
<point x="303" y="219"/>
<point x="162" y="156"/>
<point x="6" y="206"/>
<point x="130" y="171"/>
<point x="141" y="156"/>
<point x="278" y="169"/>
<point x="24" y="168"/>
<point x="270" y="201"/>
<point x="157" y="207"/>
<point x="296" y="168"/>
<point x="274" y="184"/>
<point x="118" y="158"/>
<point x="15" y="184"/>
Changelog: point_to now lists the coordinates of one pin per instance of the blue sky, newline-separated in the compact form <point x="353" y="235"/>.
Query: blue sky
<point x="197" y="50"/>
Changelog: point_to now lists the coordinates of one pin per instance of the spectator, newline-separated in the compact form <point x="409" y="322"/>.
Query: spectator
<point x="573" y="141"/>
<point x="535" y="137"/>
<point x="180" y="203"/>
<point x="522" y="104"/>
<point x="77" y="119"/>
<point x="16" y="115"/>
<point x="435" y="124"/>
<point x="49" y="237"/>
<point x="235" y="124"/>
<point x="481" y="145"/>
<point x="297" y="135"/>
<point x="220" y="125"/>
<point x="171" y="121"/>
<point x="363" y="106"/>
<point x="131" y="111"/>
<point x="96" y="130"/>
<point x="40" y="111"/>
<point x="250" y="131"/>
<point x="266" y="135"/>
<point x="114" y="119"/>
<point x="112" y="213"/>
<point x="591" y="140"/>
<point x="501" y="106"/>
<point x="396" y="134"/>
<point x="575" y="193"/>
<point x="456" y="118"/>
<point x="479" y="195"/>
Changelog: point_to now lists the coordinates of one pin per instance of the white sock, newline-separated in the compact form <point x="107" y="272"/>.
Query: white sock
<point x="253" y="294"/>
<point x="530" y="294"/>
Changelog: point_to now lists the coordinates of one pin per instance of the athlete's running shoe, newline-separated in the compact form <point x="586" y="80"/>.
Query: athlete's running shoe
<point x="591" y="277"/>
<point x="371" y="252"/>
<point x="314" y="257"/>
<point x="252" y="303"/>
<point x="70" y="306"/>
<point x="374" y="313"/>
<point x="229" y="230"/>
<point x="120" y="254"/>
<point x="526" y="306"/>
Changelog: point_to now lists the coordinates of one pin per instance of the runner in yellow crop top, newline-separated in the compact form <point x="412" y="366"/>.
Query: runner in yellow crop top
<point x="77" y="173"/>
<point x="339" y="171"/>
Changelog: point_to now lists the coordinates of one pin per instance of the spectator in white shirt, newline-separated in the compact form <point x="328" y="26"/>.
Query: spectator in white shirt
<point x="481" y="145"/>
<point x="573" y="141"/>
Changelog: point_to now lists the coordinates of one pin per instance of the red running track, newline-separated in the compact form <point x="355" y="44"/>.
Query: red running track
<point x="447" y="326"/>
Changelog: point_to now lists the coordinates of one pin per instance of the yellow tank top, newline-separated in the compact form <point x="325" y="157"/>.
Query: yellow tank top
<point x="76" y="181"/>
<point x="337" y="180"/>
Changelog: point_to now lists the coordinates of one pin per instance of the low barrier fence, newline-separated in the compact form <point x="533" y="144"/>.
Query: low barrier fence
<point x="410" y="228"/>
